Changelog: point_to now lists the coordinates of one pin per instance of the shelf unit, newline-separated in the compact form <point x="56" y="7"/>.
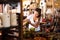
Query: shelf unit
<point x="8" y="32"/>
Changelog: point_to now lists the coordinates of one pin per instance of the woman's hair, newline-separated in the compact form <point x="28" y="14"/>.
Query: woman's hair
<point x="39" y="11"/>
<point x="32" y="3"/>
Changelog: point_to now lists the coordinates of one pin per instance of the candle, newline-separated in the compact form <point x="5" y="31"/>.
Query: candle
<point x="13" y="18"/>
<point x="6" y="16"/>
<point x="6" y="20"/>
<point x="1" y="14"/>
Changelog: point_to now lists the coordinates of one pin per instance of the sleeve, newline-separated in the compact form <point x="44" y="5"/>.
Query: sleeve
<point x="29" y="17"/>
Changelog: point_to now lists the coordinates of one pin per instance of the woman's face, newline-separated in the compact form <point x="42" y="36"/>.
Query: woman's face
<point x="36" y="14"/>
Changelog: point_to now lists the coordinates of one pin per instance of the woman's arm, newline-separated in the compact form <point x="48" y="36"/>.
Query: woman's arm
<point x="25" y="21"/>
<point x="35" y="25"/>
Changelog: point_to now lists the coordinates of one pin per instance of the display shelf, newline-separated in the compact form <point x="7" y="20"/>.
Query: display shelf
<point x="10" y="30"/>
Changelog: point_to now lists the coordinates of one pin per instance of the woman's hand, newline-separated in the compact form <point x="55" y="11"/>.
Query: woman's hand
<point x="35" y="25"/>
<point x="29" y="21"/>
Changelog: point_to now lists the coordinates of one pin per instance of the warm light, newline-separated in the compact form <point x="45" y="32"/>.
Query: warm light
<point x="14" y="10"/>
<point x="56" y="4"/>
<point x="49" y="11"/>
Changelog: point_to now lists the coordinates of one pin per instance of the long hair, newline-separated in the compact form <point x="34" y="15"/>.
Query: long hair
<point x="39" y="11"/>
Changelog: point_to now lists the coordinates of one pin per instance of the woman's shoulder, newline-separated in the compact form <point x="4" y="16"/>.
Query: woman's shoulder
<point x="30" y="16"/>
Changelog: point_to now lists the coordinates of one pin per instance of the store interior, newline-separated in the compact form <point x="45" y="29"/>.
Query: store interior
<point x="30" y="20"/>
<point x="49" y="19"/>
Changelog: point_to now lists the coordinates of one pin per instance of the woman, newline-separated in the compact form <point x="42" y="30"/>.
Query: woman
<point x="34" y="20"/>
